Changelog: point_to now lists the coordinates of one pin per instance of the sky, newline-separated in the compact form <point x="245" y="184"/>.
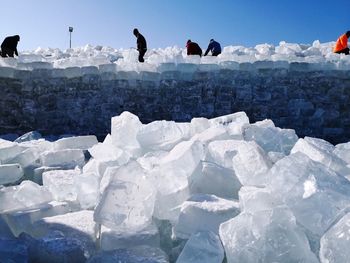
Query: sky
<point x="44" y="23"/>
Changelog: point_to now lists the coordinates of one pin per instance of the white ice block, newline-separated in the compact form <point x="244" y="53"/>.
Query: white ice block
<point x="78" y="142"/>
<point x="10" y="173"/>
<point x="63" y="158"/>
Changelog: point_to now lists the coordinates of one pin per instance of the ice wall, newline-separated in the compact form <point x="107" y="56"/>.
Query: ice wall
<point x="82" y="100"/>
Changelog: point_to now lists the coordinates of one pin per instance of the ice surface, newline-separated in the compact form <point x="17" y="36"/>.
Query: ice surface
<point x="204" y="213"/>
<point x="139" y="254"/>
<point x="199" y="125"/>
<point x="10" y="173"/>
<point x="202" y="247"/>
<point x="22" y="221"/>
<point x="308" y="187"/>
<point x="212" y="134"/>
<point x="265" y="236"/>
<point x="61" y="184"/>
<point x="343" y="151"/>
<point x="29" y="136"/>
<point x="78" y="142"/>
<point x="111" y="239"/>
<point x="247" y="159"/>
<point x="238" y="117"/>
<point x="124" y="129"/>
<point x="271" y="138"/>
<point x="9" y="150"/>
<point x="25" y="195"/>
<point x="335" y="242"/>
<point x="128" y="201"/>
<point x="162" y="135"/>
<point x="210" y="178"/>
<point x="87" y="186"/>
<point x="63" y="158"/>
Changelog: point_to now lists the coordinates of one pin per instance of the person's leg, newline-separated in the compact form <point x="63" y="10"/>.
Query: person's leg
<point x="3" y="53"/>
<point x="346" y="51"/>
<point x="343" y="51"/>
<point x="141" y="55"/>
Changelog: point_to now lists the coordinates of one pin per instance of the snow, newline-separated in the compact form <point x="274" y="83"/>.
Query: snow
<point x="204" y="191"/>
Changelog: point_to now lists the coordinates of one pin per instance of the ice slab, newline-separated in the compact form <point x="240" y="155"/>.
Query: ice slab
<point x="307" y="187"/>
<point x="25" y="195"/>
<point x="140" y="254"/>
<point x="63" y="158"/>
<point x="22" y="221"/>
<point x="87" y="186"/>
<point x="212" y="134"/>
<point x="78" y="142"/>
<point x="29" y="136"/>
<point x="247" y="159"/>
<point x="111" y="239"/>
<point x="199" y="125"/>
<point x="128" y="201"/>
<point x="202" y="247"/>
<point x="271" y="139"/>
<point x="343" y="151"/>
<point x="61" y="184"/>
<point x="335" y="242"/>
<point x="238" y="117"/>
<point x="322" y="151"/>
<point x="38" y="173"/>
<point x="10" y="173"/>
<point x="8" y="150"/>
<point x="124" y="130"/>
<point x="162" y="135"/>
<point x="204" y="213"/>
<point x="151" y="159"/>
<point x="210" y="178"/>
<point x="265" y="236"/>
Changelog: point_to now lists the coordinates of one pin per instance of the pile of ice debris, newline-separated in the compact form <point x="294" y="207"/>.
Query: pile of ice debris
<point x="318" y="55"/>
<point x="205" y="191"/>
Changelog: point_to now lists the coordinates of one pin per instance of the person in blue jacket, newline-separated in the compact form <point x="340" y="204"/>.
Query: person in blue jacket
<point x="214" y="47"/>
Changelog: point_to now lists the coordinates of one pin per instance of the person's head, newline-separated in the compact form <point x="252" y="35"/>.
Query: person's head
<point x="348" y="33"/>
<point x="136" y="32"/>
<point x="17" y="37"/>
<point x="189" y="41"/>
<point x="211" y="40"/>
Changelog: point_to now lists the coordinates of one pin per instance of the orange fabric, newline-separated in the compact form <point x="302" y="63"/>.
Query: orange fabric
<point x="341" y="44"/>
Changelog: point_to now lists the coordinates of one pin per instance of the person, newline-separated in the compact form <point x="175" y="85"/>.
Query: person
<point x="193" y="48"/>
<point x="9" y="46"/>
<point x="141" y="44"/>
<point x="214" y="47"/>
<point x="341" y="46"/>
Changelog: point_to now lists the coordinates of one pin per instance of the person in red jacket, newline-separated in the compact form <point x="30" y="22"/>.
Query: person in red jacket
<point x="193" y="48"/>
<point x="341" y="46"/>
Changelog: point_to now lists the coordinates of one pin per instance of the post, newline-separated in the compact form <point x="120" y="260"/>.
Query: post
<point x="70" y="36"/>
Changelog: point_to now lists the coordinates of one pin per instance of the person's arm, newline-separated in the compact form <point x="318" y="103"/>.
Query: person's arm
<point x="16" y="52"/>
<point x="207" y="51"/>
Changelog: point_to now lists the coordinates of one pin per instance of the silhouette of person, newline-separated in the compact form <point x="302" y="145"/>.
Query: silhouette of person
<point x="341" y="46"/>
<point x="141" y="44"/>
<point x="193" y="48"/>
<point x="9" y="46"/>
<point x="214" y="47"/>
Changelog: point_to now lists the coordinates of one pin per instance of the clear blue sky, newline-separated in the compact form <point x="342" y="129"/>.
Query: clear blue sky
<point x="171" y="22"/>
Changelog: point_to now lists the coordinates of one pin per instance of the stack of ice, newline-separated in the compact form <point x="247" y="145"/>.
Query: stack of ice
<point x="211" y="190"/>
<point x="91" y="59"/>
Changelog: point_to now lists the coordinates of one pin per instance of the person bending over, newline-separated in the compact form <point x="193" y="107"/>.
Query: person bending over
<point x="193" y="48"/>
<point x="214" y="47"/>
<point x="341" y="46"/>
<point x="9" y="46"/>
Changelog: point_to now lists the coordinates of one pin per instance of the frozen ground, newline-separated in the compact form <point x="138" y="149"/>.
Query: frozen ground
<point x="319" y="55"/>
<point x="204" y="191"/>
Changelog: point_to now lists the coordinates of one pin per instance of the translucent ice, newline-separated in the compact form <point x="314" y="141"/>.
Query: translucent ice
<point x="343" y="151"/>
<point x="265" y="236"/>
<point x="10" y="173"/>
<point x="204" y="213"/>
<point x="202" y="247"/>
<point x="63" y="158"/>
<point x="78" y="142"/>
<point x="9" y="150"/>
<point x="238" y="117"/>
<point x="61" y="184"/>
<point x="88" y="189"/>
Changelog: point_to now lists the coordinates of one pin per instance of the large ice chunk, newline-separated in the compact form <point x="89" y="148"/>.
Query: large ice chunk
<point x="204" y="213"/>
<point x="322" y="151"/>
<point x="308" y="187"/>
<point x="61" y="184"/>
<point x="210" y="178"/>
<point x="265" y="236"/>
<point x="343" y="151"/>
<point x="172" y="175"/>
<point x="128" y="201"/>
<point x="124" y="130"/>
<point x="25" y="195"/>
<point x="247" y="159"/>
<point x="9" y="150"/>
<point x="212" y="134"/>
<point x="271" y="139"/>
<point x="111" y="239"/>
<point x="162" y="135"/>
<point x="78" y="142"/>
<point x="202" y="247"/>
<point x="336" y="241"/>
<point x="238" y="117"/>
<point x="10" y="173"/>
<point x="63" y="158"/>
<point x="139" y="254"/>
<point x="88" y="189"/>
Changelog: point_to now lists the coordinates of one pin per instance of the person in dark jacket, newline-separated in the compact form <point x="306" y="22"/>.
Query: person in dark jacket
<point x="214" y="47"/>
<point x="9" y="46"/>
<point x="193" y="48"/>
<point x="141" y="44"/>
